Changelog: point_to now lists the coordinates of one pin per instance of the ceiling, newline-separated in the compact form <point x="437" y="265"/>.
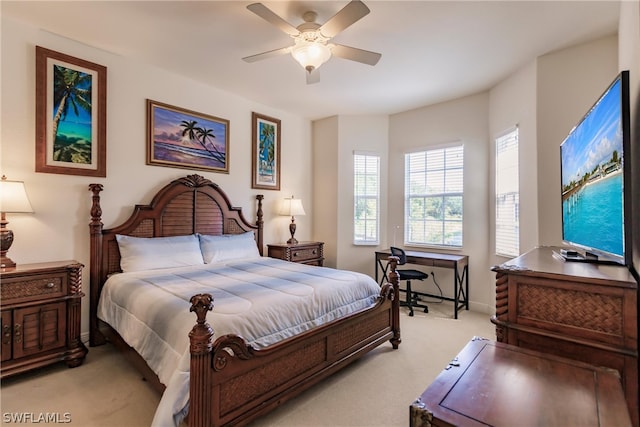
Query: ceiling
<point x="432" y="51"/>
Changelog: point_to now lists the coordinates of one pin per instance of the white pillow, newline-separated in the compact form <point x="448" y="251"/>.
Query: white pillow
<point x="140" y="253"/>
<point x="228" y="247"/>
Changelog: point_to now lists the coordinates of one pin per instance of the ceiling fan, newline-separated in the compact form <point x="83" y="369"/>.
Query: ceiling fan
<point x="312" y="46"/>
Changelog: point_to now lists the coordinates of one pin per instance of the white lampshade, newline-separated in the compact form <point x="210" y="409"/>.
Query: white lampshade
<point x="13" y="197"/>
<point x="291" y="207"/>
<point x="310" y="54"/>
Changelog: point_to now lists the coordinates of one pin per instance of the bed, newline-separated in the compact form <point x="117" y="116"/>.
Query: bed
<point x="230" y="380"/>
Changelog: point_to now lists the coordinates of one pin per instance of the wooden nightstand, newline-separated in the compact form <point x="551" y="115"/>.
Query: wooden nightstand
<point x="41" y="316"/>
<point x="311" y="253"/>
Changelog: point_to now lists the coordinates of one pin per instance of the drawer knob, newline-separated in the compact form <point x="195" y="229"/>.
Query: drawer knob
<point x="17" y="334"/>
<point x="295" y="254"/>
<point x="315" y="252"/>
<point x="6" y="334"/>
<point x="50" y="285"/>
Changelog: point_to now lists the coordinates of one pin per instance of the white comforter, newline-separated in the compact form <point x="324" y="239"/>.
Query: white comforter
<point x="264" y="300"/>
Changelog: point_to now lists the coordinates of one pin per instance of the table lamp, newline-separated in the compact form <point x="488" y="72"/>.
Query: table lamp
<point x="13" y="199"/>
<point x="292" y="207"/>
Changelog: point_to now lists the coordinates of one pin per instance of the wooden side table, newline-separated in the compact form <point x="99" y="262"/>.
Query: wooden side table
<point x="311" y="253"/>
<point x="41" y="316"/>
<point x="495" y="384"/>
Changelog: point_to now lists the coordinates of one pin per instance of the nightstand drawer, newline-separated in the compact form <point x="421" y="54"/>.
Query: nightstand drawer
<point x="304" y="254"/>
<point x="33" y="288"/>
<point x="311" y="253"/>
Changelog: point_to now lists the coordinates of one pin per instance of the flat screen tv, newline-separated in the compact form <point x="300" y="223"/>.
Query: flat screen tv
<point x="596" y="178"/>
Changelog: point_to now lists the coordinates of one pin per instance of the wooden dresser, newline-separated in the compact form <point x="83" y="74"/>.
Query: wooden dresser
<point x="41" y="316"/>
<point x="311" y="253"/>
<point x="582" y="311"/>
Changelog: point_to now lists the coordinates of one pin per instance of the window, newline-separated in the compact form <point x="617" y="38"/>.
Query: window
<point x="433" y="197"/>
<point x="366" y="198"/>
<point x="507" y="195"/>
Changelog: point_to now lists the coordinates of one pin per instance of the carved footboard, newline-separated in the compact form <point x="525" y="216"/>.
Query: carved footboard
<point x="233" y="383"/>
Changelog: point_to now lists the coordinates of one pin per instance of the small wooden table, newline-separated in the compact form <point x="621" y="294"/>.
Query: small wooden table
<point x="495" y="384"/>
<point x="311" y="253"/>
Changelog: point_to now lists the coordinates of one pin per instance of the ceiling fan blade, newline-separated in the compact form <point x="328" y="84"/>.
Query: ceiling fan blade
<point x="355" y="54"/>
<point x="268" y="15"/>
<point x="313" y="77"/>
<point x="268" y="54"/>
<point x="352" y="12"/>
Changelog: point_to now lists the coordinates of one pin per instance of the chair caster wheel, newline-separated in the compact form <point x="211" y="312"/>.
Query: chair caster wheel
<point x="411" y="314"/>
<point x="426" y="309"/>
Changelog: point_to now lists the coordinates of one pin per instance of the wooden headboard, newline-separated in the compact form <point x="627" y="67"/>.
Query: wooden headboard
<point x="188" y="205"/>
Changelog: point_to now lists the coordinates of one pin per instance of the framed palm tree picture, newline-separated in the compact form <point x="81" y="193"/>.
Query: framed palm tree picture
<point x="71" y="115"/>
<point x="182" y="138"/>
<point x="265" y="158"/>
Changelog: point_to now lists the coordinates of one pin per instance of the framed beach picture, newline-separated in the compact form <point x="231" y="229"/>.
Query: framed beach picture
<point x="182" y="138"/>
<point x="265" y="158"/>
<point x="71" y="115"/>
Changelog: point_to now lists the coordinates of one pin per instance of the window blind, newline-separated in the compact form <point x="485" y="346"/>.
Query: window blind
<point x="366" y="198"/>
<point x="434" y="197"/>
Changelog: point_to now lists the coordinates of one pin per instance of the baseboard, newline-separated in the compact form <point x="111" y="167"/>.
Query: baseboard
<point x="482" y="308"/>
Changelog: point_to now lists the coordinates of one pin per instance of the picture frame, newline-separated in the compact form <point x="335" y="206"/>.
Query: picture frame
<point x="71" y="115"/>
<point x="265" y="153"/>
<point x="181" y="138"/>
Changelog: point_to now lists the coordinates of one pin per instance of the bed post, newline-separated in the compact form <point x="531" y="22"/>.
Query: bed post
<point x="394" y="279"/>
<point x="95" y="251"/>
<point x="260" y="223"/>
<point x="200" y="399"/>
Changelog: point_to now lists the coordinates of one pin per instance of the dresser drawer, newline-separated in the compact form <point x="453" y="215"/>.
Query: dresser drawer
<point x="304" y="254"/>
<point x="33" y="288"/>
<point x="311" y="253"/>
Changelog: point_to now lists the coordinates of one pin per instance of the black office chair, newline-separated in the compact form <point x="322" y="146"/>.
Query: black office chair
<point x="411" y="299"/>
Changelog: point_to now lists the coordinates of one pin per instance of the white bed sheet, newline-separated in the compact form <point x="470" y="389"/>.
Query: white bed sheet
<point x="264" y="300"/>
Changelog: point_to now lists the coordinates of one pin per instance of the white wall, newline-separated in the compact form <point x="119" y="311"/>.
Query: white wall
<point x="465" y="120"/>
<point x="359" y="133"/>
<point x="334" y="141"/>
<point x="58" y="229"/>
<point x="513" y="102"/>
<point x="325" y="184"/>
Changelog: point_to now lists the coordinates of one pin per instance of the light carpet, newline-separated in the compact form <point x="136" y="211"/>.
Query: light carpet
<point x="374" y="391"/>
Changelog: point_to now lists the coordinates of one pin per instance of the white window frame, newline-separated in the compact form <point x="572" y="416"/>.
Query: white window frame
<point x="507" y="191"/>
<point x="366" y="191"/>
<point x="430" y="179"/>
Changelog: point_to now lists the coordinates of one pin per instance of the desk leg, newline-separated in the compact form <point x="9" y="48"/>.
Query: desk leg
<point x="456" y="279"/>
<point x="463" y="283"/>
<point x="465" y="274"/>
<point x="384" y="268"/>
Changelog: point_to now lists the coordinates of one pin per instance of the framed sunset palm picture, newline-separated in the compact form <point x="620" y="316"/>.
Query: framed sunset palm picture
<point x="183" y="138"/>
<point x="265" y="160"/>
<point x="71" y="115"/>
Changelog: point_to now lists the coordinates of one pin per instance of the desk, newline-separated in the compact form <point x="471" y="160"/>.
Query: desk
<point x="458" y="263"/>
<point x="495" y="384"/>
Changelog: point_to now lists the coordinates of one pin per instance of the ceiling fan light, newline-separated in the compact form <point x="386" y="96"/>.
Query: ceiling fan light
<point x="310" y="55"/>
